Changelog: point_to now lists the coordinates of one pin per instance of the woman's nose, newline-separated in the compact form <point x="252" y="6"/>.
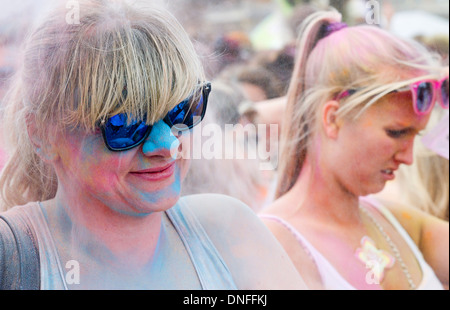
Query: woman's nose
<point x="406" y="154"/>
<point x="161" y="141"/>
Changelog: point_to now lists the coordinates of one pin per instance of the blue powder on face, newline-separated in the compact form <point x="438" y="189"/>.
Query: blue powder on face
<point x="160" y="141"/>
<point x="171" y="191"/>
<point x="160" y="138"/>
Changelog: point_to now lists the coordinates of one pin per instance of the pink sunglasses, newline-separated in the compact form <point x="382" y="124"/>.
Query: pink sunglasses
<point x="425" y="93"/>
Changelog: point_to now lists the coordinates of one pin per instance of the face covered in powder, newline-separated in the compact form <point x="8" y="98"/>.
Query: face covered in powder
<point x="135" y="182"/>
<point x="367" y="152"/>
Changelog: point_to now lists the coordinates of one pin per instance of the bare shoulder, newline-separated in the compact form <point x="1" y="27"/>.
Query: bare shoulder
<point x="253" y="255"/>
<point x="216" y="210"/>
<point x="226" y="219"/>
<point x="431" y="235"/>
<point x="415" y="221"/>
<point x="409" y="218"/>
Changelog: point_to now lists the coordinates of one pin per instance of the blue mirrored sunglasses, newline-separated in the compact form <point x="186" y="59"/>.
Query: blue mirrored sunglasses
<point x="120" y="134"/>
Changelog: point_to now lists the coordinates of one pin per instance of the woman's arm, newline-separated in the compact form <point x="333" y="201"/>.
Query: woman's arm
<point x="434" y="246"/>
<point x="431" y="235"/>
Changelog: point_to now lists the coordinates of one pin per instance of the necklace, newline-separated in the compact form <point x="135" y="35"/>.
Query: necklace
<point x="383" y="259"/>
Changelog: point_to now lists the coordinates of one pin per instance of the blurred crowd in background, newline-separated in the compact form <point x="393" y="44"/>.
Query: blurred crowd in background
<point x="248" y="49"/>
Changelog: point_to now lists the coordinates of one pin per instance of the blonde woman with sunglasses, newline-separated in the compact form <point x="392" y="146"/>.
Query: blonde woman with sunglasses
<point x="99" y="121"/>
<point x="358" y="98"/>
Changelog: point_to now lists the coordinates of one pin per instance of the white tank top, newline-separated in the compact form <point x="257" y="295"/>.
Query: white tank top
<point x="211" y="269"/>
<point x="332" y="279"/>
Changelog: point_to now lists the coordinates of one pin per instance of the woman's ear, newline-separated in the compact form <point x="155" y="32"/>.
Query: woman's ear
<point x="41" y="147"/>
<point x="330" y="119"/>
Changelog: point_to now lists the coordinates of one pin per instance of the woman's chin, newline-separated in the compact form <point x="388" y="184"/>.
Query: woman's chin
<point x="161" y="205"/>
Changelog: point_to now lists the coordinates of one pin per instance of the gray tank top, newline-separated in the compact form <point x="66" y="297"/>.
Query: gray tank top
<point x="211" y="269"/>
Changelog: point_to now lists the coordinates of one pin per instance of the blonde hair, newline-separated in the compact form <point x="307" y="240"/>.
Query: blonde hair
<point x="427" y="183"/>
<point x="119" y="58"/>
<point x="364" y="57"/>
